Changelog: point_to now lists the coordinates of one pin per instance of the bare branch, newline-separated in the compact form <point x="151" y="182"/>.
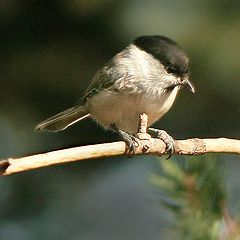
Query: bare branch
<point x="147" y="145"/>
<point x="192" y="146"/>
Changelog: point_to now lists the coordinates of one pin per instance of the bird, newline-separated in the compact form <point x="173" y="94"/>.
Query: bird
<point x="144" y="77"/>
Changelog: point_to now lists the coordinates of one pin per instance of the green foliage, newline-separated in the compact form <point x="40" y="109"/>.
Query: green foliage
<point x="193" y="190"/>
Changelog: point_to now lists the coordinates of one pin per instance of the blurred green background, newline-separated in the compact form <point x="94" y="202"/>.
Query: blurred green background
<point x="49" y="51"/>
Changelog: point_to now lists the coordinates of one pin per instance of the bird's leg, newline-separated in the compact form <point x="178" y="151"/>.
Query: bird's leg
<point x="141" y="138"/>
<point x="166" y="138"/>
<point x="131" y="141"/>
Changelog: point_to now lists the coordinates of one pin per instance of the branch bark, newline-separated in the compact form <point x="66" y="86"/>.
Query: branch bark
<point x="194" y="146"/>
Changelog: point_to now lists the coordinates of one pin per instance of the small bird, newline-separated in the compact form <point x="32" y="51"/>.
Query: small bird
<point x="143" y="78"/>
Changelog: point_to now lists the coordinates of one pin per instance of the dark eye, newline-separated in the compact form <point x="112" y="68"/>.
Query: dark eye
<point x="171" y="69"/>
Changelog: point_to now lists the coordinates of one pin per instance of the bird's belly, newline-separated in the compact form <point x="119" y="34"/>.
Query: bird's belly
<point x="123" y="110"/>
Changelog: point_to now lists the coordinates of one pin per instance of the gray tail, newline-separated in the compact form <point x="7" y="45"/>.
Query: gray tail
<point x="63" y="119"/>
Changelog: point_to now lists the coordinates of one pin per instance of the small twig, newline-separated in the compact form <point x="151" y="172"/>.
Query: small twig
<point x="142" y="128"/>
<point x="193" y="146"/>
<point x="231" y="229"/>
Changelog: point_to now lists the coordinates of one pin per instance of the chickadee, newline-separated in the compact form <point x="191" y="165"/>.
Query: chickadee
<point x="143" y="78"/>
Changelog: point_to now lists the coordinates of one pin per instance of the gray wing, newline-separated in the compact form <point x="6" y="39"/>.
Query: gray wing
<point x="110" y="77"/>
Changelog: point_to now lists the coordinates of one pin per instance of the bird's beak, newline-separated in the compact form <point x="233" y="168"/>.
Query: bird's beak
<point x="188" y="84"/>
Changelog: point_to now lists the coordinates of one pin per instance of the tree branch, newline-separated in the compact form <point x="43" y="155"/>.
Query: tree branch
<point x="147" y="145"/>
<point x="153" y="146"/>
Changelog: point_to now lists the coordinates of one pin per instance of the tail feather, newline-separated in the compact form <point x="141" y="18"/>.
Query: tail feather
<point x="63" y="119"/>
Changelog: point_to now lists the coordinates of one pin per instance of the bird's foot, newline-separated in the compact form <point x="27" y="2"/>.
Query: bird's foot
<point x="131" y="141"/>
<point x="166" y="138"/>
<point x="139" y="140"/>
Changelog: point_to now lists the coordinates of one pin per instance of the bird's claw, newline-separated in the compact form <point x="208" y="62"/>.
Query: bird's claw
<point x="132" y="143"/>
<point x="167" y="139"/>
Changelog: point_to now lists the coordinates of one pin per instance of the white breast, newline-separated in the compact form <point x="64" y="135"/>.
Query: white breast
<point x="123" y="110"/>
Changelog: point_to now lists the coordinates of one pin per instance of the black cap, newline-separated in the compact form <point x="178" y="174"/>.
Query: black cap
<point x="166" y="51"/>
